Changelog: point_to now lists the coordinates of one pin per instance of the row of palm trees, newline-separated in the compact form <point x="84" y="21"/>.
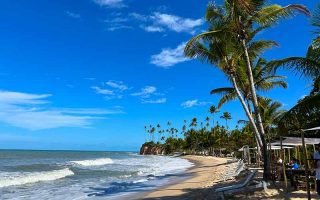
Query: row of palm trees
<point x="172" y="132"/>
<point x="201" y="136"/>
<point x="230" y="44"/>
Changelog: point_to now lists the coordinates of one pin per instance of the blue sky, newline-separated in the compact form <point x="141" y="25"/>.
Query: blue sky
<point x="89" y="74"/>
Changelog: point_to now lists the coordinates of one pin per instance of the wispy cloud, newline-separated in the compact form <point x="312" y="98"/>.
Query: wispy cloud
<point x="153" y="28"/>
<point x="155" y="101"/>
<point x="73" y="15"/>
<point x="32" y="111"/>
<point x="176" y="23"/>
<point x="116" y="22"/>
<point x="169" y="57"/>
<point x="117" y="85"/>
<point x="193" y="103"/>
<point x="149" y="94"/>
<point x="145" y="92"/>
<point x="111" y="89"/>
<point x="99" y="90"/>
<point x="110" y="3"/>
<point x="159" y="22"/>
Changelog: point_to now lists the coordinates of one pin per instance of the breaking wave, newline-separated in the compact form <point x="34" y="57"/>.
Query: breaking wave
<point x="96" y="162"/>
<point x="25" y="178"/>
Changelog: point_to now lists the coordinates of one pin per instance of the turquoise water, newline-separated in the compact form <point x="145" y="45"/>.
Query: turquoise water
<point x="82" y="175"/>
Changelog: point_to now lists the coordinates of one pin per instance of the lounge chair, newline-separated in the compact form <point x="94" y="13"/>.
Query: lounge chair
<point x="233" y="172"/>
<point x="238" y="187"/>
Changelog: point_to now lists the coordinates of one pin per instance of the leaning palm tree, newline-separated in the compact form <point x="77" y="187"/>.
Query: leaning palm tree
<point x="233" y="26"/>
<point x="226" y="116"/>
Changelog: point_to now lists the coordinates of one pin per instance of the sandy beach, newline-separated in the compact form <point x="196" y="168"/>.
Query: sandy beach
<point x="206" y="172"/>
<point x="198" y="183"/>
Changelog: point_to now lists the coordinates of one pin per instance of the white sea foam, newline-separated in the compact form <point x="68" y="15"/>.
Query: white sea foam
<point x="155" y="165"/>
<point x="96" y="162"/>
<point x="11" y="179"/>
<point x="140" y="181"/>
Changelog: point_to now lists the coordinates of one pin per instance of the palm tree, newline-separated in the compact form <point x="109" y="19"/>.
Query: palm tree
<point x="194" y="122"/>
<point x="213" y="110"/>
<point x="233" y="27"/>
<point x="265" y="80"/>
<point x="159" y="132"/>
<point x="226" y="116"/>
<point x="207" y="122"/>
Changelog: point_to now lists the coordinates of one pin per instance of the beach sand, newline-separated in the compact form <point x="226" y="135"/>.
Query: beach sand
<point x="196" y="182"/>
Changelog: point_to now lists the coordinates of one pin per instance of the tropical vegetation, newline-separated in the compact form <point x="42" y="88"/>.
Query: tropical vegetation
<point x="230" y="44"/>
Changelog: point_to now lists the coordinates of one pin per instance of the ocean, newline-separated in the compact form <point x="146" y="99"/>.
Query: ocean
<point x="77" y="175"/>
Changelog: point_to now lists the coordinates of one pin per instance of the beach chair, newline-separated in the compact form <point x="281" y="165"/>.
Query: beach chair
<point x="238" y="187"/>
<point x="231" y="173"/>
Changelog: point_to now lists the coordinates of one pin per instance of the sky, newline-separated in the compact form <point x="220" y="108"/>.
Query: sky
<point x="90" y="74"/>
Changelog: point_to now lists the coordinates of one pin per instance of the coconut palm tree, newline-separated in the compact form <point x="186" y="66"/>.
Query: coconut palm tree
<point x="226" y="116"/>
<point x="194" y="122"/>
<point x="233" y="26"/>
<point x="265" y="80"/>
<point x="159" y="132"/>
<point x="213" y="110"/>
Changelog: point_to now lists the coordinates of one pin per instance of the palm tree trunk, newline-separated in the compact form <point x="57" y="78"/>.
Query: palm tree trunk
<point x="255" y="137"/>
<point x="257" y="113"/>
<point x="255" y="129"/>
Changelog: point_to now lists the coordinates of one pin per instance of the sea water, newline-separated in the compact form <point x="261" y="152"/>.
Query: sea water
<point x="76" y="175"/>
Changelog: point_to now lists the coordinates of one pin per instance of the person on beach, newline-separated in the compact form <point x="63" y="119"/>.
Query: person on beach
<point x="279" y="161"/>
<point x="316" y="157"/>
<point x="295" y="164"/>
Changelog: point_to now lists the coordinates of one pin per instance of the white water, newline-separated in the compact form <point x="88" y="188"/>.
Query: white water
<point x="10" y="179"/>
<point x="96" y="162"/>
<point x="103" y="176"/>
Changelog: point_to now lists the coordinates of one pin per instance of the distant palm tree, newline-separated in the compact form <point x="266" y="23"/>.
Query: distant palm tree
<point x="213" y="110"/>
<point x="194" y="122"/>
<point x="146" y="133"/>
<point x="207" y="122"/>
<point x="226" y="116"/>
<point x="159" y="132"/>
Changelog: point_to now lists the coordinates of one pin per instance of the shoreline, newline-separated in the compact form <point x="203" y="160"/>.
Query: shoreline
<point x="190" y="184"/>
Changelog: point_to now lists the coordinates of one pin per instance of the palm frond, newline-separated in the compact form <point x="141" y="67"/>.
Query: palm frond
<point x="300" y="65"/>
<point x="223" y="91"/>
<point x="270" y="15"/>
<point x="303" y="114"/>
<point x="257" y="47"/>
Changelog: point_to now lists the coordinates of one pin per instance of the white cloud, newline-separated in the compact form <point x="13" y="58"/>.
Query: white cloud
<point x="110" y="3"/>
<point x="118" y="27"/>
<point x="176" y="23"/>
<point x="115" y="89"/>
<point x="117" y="85"/>
<point x="72" y="14"/>
<point x="116" y="20"/>
<point x="153" y="28"/>
<point x="156" y="101"/>
<point x="99" y="90"/>
<point x="8" y="97"/>
<point x="148" y="95"/>
<point x="139" y="16"/>
<point x="169" y="57"/>
<point x="159" y="22"/>
<point x="192" y="103"/>
<point x="145" y="92"/>
<point x="30" y="111"/>
<point x="117" y="23"/>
